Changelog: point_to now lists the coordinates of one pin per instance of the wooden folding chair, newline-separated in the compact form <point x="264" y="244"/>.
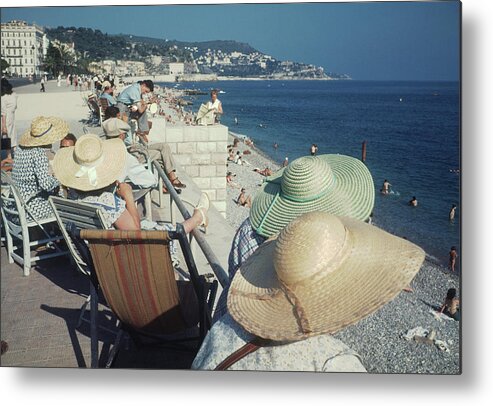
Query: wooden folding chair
<point x="136" y="275"/>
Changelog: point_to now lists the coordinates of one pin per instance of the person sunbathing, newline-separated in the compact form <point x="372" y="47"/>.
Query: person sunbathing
<point x="243" y="199"/>
<point x="264" y="172"/>
<point x="229" y="180"/>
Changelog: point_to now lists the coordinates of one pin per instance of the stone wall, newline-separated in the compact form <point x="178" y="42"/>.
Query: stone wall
<point x="202" y="152"/>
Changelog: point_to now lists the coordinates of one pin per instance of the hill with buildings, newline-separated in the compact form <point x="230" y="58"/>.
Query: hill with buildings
<point x="154" y="56"/>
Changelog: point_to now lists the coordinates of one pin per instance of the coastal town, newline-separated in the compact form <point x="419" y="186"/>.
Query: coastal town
<point x="29" y="50"/>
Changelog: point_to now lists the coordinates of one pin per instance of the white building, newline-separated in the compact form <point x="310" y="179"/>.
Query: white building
<point x="176" y="68"/>
<point x="23" y="47"/>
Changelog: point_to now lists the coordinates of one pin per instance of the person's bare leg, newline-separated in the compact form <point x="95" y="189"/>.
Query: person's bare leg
<point x="195" y="221"/>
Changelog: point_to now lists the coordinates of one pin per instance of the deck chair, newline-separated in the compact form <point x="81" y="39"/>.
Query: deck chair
<point x="136" y="275"/>
<point x="24" y="234"/>
<point x="92" y="103"/>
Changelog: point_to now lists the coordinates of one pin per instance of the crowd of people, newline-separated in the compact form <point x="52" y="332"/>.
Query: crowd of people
<point x="300" y="268"/>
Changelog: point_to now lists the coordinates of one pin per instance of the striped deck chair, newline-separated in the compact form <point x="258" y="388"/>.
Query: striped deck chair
<point x="136" y="275"/>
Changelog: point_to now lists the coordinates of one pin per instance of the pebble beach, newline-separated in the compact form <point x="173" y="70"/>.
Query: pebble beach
<point x="380" y="339"/>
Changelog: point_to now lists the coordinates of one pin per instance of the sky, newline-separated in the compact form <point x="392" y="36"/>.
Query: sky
<point x="367" y="40"/>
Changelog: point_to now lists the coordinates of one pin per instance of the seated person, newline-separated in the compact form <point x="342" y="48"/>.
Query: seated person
<point x="237" y="158"/>
<point x="229" y="180"/>
<point x="264" y="172"/>
<point x="108" y="93"/>
<point x="96" y="182"/>
<point x="159" y="151"/>
<point x="215" y="105"/>
<point x="298" y="289"/>
<point x="31" y="168"/>
<point x="231" y="155"/>
<point x="451" y="305"/>
<point x="243" y="199"/>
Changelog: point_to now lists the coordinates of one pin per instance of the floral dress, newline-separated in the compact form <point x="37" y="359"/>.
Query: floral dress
<point x="31" y="176"/>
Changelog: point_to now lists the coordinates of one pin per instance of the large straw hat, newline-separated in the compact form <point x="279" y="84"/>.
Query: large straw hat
<point x="321" y="274"/>
<point x="336" y="184"/>
<point x="113" y="127"/>
<point x="91" y="164"/>
<point x="44" y="131"/>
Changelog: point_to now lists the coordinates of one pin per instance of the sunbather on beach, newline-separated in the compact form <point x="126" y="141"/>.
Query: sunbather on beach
<point x="243" y="199"/>
<point x="451" y="305"/>
<point x="229" y="180"/>
<point x="264" y="172"/>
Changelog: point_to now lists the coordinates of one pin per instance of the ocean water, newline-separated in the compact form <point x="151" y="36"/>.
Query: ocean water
<point x="412" y="131"/>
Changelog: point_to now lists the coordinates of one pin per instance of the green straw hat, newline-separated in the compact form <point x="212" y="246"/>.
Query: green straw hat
<point x="337" y="184"/>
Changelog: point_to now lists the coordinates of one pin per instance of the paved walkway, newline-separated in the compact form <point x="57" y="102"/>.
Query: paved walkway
<point x="39" y="313"/>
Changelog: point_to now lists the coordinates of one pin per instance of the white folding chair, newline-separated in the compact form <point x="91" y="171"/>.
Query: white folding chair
<point x="20" y="229"/>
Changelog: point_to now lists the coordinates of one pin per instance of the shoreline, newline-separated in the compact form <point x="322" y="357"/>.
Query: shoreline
<point x="384" y="330"/>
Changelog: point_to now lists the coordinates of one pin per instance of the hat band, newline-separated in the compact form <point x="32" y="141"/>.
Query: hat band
<point x="90" y="171"/>
<point x="43" y="133"/>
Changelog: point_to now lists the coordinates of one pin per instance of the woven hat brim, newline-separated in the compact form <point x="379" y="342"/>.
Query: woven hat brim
<point x="65" y="167"/>
<point x="59" y="130"/>
<point x="353" y="195"/>
<point x="379" y="266"/>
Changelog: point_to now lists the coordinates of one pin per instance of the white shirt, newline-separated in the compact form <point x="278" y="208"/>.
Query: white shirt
<point x="137" y="173"/>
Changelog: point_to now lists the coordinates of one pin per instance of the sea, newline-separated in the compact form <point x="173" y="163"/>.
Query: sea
<point x="411" y="130"/>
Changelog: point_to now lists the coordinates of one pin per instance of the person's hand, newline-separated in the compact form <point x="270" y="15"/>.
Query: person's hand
<point x="124" y="190"/>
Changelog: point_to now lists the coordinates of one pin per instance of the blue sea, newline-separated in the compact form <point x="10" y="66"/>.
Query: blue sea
<point x="412" y="132"/>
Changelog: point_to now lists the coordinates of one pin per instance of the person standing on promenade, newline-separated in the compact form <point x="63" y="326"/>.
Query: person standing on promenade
<point x="9" y="106"/>
<point x="386" y="187"/>
<point x="132" y="106"/>
<point x="298" y="289"/>
<point x="306" y="184"/>
<point x="215" y="105"/>
<point x="42" y="89"/>
<point x="59" y="80"/>
<point x="452" y="258"/>
<point x="451" y="214"/>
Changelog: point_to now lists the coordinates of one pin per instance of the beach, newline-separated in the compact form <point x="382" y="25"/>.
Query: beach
<point x="379" y="338"/>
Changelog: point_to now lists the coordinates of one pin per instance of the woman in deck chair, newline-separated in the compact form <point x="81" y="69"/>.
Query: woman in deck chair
<point x="30" y="172"/>
<point x="90" y="170"/>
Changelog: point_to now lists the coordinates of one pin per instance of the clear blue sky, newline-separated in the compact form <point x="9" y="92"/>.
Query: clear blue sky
<point x="369" y="41"/>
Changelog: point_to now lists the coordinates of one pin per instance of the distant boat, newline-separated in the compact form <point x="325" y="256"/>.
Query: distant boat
<point x="400" y="99"/>
<point x="221" y="91"/>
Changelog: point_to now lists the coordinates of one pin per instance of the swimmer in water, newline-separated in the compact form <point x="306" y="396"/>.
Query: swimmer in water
<point x="386" y="187"/>
<point x="413" y="202"/>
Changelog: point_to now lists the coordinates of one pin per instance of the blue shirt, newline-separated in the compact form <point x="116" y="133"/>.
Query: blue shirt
<point x="110" y="98"/>
<point x="130" y="94"/>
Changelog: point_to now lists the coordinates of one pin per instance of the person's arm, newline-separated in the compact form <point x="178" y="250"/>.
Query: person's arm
<point x="124" y="190"/>
<point x="220" y="108"/>
<point x="4" y="124"/>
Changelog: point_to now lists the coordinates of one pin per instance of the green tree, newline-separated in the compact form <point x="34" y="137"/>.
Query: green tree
<point x="5" y="65"/>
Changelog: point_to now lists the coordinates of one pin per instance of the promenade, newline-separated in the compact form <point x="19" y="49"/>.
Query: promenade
<point x="39" y="313"/>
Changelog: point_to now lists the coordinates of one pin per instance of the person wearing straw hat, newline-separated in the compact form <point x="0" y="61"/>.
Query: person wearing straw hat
<point x="31" y="170"/>
<point x="159" y="151"/>
<point x="321" y="274"/>
<point x="337" y="184"/>
<point x="91" y="170"/>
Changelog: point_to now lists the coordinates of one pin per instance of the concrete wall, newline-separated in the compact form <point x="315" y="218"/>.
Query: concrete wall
<point x="202" y="152"/>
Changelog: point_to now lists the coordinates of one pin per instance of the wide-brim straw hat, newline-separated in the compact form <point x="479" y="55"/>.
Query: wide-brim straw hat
<point x="44" y="131"/>
<point x="321" y="274"/>
<point x="337" y="184"/>
<point x="91" y="164"/>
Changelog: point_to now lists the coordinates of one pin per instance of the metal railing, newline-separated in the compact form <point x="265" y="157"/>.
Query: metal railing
<point x="214" y="263"/>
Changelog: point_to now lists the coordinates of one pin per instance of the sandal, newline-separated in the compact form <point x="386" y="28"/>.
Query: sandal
<point x="166" y="191"/>
<point x="203" y="207"/>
